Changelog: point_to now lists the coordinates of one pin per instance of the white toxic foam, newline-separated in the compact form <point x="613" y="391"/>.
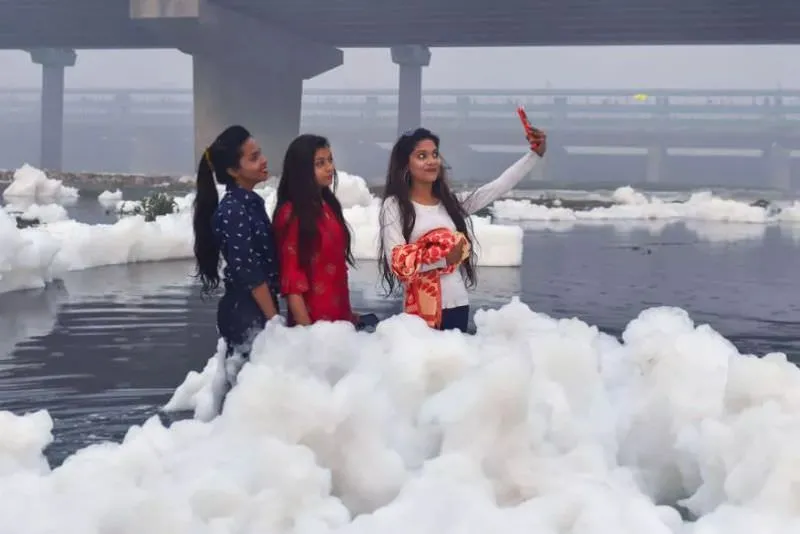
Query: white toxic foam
<point x="532" y="425"/>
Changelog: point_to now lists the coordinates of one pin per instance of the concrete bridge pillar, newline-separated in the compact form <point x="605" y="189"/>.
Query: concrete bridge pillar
<point x="410" y="59"/>
<point x="246" y="71"/>
<point x="51" y="133"/>
<point x="779" y="167"/>
<point x="263" y="100"/>
<point x="654" y="169"/>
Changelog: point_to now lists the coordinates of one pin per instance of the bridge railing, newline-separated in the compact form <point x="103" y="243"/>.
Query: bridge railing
<point x="168" y="105"/>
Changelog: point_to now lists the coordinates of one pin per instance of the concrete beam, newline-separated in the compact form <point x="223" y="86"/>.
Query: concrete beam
<point x="363" y="23"/>
<point x="53" y="57"/>
<point x="411" y="55"/>
<point x="204" y="27"/>
<point x="160" y="9"/>
<point x="256" y="42"/>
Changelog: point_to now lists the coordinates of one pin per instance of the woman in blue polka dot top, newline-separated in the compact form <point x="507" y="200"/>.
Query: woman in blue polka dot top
<point x="238" y="228"/>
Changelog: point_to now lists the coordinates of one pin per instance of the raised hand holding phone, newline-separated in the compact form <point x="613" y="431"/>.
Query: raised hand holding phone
<point x="537" y="138"/>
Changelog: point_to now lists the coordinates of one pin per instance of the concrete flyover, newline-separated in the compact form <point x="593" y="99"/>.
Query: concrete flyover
<point x="251" y="56"/>
<point x="372" y="23"/>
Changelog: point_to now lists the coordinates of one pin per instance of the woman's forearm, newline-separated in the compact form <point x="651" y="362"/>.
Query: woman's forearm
<point x="488" y="193"/>
<point x="299" y="310"/>
<point x="266" y="303"/>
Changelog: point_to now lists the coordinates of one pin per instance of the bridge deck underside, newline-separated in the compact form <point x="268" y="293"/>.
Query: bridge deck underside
<point x="377" y="23"/>
<point x="71" y="24"/>
<point x="532" y="22"/>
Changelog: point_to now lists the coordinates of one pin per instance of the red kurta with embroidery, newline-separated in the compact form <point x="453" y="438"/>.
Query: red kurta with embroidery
<point x="325" y="288"/>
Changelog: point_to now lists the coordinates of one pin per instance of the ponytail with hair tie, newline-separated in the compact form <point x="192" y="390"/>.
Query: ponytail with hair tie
<point x="226" y="150"/>
<point x="207" y="156"/>
<point x="206" y="200"/>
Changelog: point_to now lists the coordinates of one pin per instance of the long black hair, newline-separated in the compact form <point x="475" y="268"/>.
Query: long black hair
<point x="398" y="185"/>
<point x="298" y="185"/>
<point x="223" y="154"/>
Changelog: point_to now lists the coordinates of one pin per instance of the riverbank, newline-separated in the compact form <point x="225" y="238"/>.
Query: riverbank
<point x="90" y="182"/>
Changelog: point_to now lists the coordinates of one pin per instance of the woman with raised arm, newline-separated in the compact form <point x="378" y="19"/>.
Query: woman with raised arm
<point x="238" y="229"/>
<point x="426" y="237"/>
<point x="313" y="237"/>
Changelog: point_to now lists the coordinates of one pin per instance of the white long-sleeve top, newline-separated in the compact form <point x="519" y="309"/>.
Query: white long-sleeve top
<point x="454" y="290"/>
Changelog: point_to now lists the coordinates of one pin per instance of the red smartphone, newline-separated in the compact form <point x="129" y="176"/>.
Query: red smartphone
<point x="523" y="117"/>
<point x="526" y="124"/>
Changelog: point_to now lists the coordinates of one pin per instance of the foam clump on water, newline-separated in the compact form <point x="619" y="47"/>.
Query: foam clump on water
<point x="32" y="257"/>
<point x="126" y="207"/>
<point x="109" y="196"/>
<point x="41" y="213"/>
<point x="23" y="439"/>
<point x="532" y="425"/>
<point x="60" y="244"/>
<point x="30" y="182"/>
<point x="634" y="205"/>
<point x="25" y="258"/>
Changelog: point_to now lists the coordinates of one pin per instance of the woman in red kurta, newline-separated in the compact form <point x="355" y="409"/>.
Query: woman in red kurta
<point x="313" y="237"/>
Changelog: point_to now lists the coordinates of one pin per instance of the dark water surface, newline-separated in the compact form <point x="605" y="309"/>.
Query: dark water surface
<point x="105" y="348"/>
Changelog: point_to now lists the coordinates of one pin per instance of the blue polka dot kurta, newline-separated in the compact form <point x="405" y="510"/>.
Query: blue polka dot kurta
<point x="245" y="237"/>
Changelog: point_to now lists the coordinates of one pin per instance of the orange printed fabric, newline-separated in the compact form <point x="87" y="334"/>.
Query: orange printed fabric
<point x="423" y="289"/>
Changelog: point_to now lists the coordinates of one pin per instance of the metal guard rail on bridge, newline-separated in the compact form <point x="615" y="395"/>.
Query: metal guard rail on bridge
<point x="767" y="109"/>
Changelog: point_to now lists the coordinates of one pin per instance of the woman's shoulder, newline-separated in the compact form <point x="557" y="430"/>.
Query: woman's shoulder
<point x="286" y="207"/>
<point x="390" y="213"/>
<point x="283" y="214"/>
<point x="229" y="208"/>
<point x="390" y="204"/>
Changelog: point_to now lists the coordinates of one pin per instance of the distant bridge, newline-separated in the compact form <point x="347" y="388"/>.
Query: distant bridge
<point x="654" y="120"/>
<point x="615" y="116"/>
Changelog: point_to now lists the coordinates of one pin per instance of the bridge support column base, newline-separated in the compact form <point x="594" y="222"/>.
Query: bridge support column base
<point x="654" y="169"/>
<point x="410" y="59"/>
<point x="51" y="133"/>
<point x="779" y="167"/>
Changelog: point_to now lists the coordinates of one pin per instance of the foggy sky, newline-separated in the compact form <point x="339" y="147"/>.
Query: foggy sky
<point x="647" y="67"/>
